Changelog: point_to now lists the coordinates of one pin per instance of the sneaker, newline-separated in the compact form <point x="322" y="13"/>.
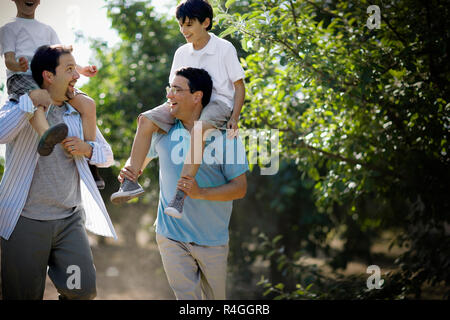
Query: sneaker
<point x="98" y="179"/>
<point x="175" y="207"/>
<point x="52" y="137"/>
<point x="127" y="191"/>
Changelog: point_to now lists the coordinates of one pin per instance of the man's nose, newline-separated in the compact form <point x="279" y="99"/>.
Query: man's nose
<point x="76" y="75"/>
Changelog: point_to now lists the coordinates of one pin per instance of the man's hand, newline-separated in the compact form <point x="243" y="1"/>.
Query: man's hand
<point x="189" y="186"/>
<point x="129" y="173"/>
<point x="88" y="71"/>
<point x="77" y="147"/>
<point x="232" y="128"/>
<point x="40" y="98"/>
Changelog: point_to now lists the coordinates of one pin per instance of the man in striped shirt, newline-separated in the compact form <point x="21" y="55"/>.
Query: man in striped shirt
<point x="46" y="202"/>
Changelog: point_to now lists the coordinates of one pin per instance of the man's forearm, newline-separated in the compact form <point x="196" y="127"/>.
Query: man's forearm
<point x="231" y="191"/>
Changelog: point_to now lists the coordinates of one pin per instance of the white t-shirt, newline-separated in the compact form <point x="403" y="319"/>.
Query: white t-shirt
<point x="23" y="37"/>
<point x="219" y="58"/>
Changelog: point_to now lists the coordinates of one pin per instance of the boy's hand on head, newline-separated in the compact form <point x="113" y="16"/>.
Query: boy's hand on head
<point x="23" y="64"/>
<point x="40" y="97"/>
<point x="232" y="128"/>
<point x="89" y="71"/>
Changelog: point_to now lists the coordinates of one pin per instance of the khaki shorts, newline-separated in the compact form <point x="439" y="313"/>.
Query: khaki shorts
<point x="215" y="113"/>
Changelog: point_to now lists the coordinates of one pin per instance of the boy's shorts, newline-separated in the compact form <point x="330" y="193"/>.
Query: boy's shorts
<point x="215" y="113"/>
<point x="19" y="84"/>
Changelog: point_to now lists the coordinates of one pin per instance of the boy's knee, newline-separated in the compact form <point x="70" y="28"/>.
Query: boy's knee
<point x="146" y="123"/>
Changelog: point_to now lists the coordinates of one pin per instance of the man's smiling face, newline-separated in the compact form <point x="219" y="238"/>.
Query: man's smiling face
<point x="26" y="8"/>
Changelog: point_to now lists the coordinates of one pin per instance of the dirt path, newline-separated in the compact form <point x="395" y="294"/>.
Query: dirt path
<point x="125" y="274"/>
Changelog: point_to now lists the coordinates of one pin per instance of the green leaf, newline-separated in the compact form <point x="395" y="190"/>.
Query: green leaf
<point x="229" y="3"/>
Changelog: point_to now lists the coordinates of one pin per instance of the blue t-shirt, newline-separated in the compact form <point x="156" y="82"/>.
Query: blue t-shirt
<point x="203" y="222"/>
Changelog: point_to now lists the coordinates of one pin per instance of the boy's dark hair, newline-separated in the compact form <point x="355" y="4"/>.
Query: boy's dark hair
<point x="195" y="9"/>
<point x="198" y="80"/>
<point x="46" y="58"/>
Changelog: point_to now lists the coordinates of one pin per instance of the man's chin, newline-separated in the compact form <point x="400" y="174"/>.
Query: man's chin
<point x="70" y="94"/>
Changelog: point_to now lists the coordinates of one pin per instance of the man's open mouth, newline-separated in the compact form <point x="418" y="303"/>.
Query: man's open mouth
<point x="29" y="3"/>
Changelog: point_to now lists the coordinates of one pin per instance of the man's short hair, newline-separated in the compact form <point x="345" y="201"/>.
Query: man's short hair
<point x="195" y="9"/>
<point x="46" y="58"/>
<point x="198" y="80"/>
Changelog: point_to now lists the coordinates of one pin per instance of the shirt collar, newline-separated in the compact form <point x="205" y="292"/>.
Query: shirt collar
<point x="210" y="47"/>
<point x="69" y="108"/>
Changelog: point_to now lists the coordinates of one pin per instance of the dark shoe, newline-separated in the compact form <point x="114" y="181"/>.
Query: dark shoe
<point x="175" y="207"/>
<point x="52" y="137"/>
<point x="98" y="179"/>
<point x="127" y="191"/>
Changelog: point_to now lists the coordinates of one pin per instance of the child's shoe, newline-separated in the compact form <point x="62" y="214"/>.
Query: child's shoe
<point x="52" y="137"/>
<point x="175" y="207"/>
<point x="127" y="191"/>
<point x="98" y="179"/>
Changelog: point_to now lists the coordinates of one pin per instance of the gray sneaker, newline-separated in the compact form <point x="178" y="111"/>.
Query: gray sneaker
<point x="127" y="191"/>
<point x="175" y="207"/>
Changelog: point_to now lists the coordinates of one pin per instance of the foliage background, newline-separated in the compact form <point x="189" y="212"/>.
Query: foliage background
<point x="363" y="117"/>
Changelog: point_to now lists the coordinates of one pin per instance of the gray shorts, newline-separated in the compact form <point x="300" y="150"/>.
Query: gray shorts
<point x="19" y="84"/>
<point x="215" y="113"/>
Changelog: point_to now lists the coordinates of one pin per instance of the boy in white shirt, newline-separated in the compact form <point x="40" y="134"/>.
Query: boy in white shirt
<point x="218" y="57"/>
<point x="18" y="42"/>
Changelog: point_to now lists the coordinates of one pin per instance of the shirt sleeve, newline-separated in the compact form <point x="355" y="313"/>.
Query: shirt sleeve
<point x="232" y="64"/>
<point x="53" y="37"/>
<point x="176" y="64"/>
<point x="102" y="154"/>
<point x="7" y="40"/>
<point x="152" y="153"/>
<point x="235" y="160"/>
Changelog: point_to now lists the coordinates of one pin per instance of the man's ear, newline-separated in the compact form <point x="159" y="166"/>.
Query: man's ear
<point x="198" y="95"/>
<point x="47" y="76"/>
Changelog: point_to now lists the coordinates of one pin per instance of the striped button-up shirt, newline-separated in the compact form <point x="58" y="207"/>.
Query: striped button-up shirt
<point x="20" y="162"/>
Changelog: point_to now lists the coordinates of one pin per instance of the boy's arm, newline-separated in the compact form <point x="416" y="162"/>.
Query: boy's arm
<point x="87" y="71"/>
<point x="13" y="65"/>
<point x="239" y="98"/>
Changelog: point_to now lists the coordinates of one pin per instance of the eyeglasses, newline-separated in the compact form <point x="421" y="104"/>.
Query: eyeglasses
<point x="175" y="90"/>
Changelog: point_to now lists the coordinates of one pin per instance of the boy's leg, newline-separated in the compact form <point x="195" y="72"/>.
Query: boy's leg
<point x="149" y="122"/>
<point x="39" y="122"/>
<point x="191" y="165"/>
<point x="142" y="142"/>
<point x="88" y="112"/>
<point x="18" y="85"/>
<point x="87" y="109"/>
<point x="24" y="260"/>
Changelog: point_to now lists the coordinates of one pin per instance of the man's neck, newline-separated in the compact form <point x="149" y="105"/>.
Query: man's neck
<point x="189" y="123"/>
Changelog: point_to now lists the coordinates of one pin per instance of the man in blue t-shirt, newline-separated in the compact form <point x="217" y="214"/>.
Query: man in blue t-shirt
<point x="194" y="248"/>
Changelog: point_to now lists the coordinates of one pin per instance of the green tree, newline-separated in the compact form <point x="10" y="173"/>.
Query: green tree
<point x="365" y="112"/>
